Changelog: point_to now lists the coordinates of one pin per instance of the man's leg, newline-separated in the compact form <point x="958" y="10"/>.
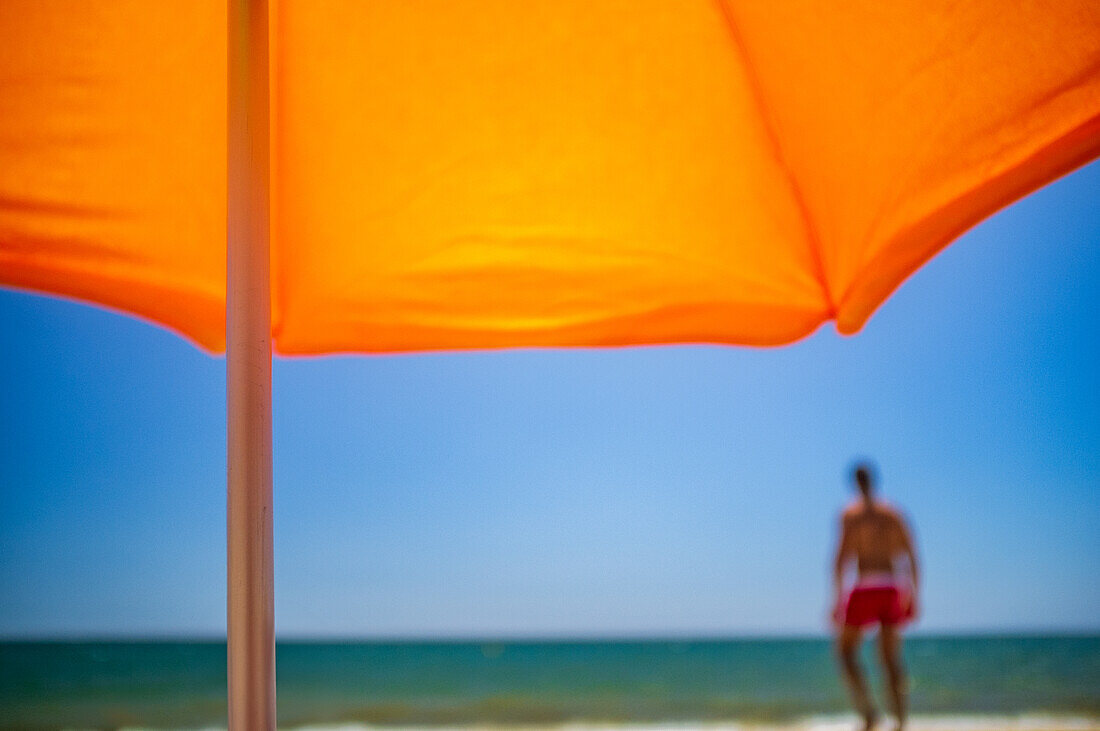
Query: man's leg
<point x="848" y="649"/>
<point x="890" y="645"/>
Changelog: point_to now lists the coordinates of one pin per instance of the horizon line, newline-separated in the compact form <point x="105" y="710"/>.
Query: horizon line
<point x="545" y="638"/>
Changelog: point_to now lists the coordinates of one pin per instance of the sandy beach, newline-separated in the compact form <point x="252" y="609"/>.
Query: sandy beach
<point x="1034" y="722"/>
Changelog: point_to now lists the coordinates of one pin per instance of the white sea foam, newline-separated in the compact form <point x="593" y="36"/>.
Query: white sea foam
<point x="1026" y="722"/>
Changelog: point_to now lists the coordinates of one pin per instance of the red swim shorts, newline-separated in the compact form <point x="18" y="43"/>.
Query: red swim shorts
<point x="875" y="605"/>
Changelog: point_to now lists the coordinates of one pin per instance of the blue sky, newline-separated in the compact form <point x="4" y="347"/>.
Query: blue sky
<point x="637" y="491"/>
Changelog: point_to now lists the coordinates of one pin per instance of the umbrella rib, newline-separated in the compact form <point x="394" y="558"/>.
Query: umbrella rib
<point x="776" y="149"/>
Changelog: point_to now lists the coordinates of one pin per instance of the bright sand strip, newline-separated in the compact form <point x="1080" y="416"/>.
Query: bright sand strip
<point x="1030" y="722"/>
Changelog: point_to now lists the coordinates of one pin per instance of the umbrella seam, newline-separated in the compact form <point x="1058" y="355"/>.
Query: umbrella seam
<point x="780" y="158"/>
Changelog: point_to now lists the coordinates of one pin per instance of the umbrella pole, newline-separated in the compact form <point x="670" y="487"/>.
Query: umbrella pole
<point x="250" y="606"/>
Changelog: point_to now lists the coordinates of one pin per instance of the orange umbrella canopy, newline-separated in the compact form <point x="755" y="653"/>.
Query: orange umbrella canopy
<point x="547" y="172"/>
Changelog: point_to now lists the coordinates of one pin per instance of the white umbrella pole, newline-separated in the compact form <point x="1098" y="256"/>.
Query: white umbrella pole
<point x="251" y="606"/>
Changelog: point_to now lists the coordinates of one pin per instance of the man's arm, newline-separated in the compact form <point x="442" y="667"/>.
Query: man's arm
<point x="910" y="552"/>
<point x="843" y="551"/>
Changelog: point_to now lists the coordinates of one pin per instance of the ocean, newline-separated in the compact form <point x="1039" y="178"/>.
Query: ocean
<point x="956" y="682"/>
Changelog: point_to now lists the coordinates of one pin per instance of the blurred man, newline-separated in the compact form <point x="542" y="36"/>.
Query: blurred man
<point x="874" y="536"/>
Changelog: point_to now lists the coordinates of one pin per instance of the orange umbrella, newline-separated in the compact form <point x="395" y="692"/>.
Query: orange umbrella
<point x="440" y="175"/>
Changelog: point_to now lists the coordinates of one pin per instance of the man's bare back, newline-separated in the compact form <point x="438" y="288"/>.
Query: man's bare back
<point x="874" y="534"/>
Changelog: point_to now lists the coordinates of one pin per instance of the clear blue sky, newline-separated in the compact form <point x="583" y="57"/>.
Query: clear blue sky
<point x="669" y="491"/>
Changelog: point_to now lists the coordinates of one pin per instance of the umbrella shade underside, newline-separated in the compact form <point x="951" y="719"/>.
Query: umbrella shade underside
<point x="554" y="172"/>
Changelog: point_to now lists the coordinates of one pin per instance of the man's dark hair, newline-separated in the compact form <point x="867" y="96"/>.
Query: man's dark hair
<point x="864" y="475"/>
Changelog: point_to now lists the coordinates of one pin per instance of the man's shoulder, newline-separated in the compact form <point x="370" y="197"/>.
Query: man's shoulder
<point x="895" y="512"/>
<point x="858" y="509"/>
<point x="852" y="511"/>
<point x="889" y="509"/>
<point x="895" y="515"/>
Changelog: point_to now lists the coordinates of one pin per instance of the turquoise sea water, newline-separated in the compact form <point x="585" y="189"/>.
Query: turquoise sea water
<point x="182" y="684"/>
